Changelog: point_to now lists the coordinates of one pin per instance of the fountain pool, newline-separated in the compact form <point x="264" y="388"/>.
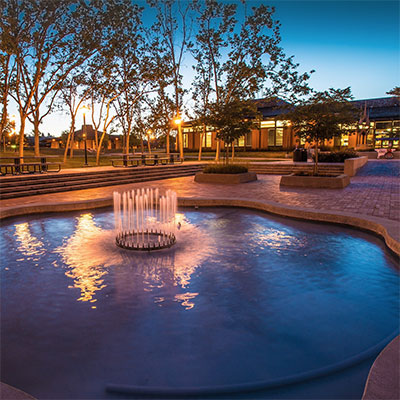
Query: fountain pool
<point x="241" y="297"/>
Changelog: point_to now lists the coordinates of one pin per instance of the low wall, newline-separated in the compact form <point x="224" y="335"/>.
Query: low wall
<point x="244" y="177"/>
<point x="337" y="182"/>
<point x="369" y="154"/>
<point x="352" y="165"/>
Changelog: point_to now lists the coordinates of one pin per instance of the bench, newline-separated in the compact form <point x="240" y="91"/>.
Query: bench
<point x="145" y="159"/>
<point x="28" y="167"/>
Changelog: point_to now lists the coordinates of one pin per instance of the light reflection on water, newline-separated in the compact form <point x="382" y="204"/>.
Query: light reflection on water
<point x="91" y="251"/>
<point x="28" y="244"/>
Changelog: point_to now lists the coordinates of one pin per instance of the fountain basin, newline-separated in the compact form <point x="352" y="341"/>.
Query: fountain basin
<point x="242" y="298"/>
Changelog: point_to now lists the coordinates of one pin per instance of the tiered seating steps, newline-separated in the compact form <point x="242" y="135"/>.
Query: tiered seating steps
<point x="20" y="186"/>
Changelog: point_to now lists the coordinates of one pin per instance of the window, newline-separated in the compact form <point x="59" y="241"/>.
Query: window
<point x="275" y="137"/>
<point x="267" y="124"/>
<point x="240" y="141"/>
<point x="384" y="125"/>
<point x="279" y="137"/>
<point x="271" y="137"/>
<point x="185" y="141"/>
<point x="207" y="139"/>
<point x="248" y="139"/>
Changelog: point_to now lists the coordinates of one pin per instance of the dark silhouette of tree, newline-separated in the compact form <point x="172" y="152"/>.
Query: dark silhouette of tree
<point x="323" y="116"/>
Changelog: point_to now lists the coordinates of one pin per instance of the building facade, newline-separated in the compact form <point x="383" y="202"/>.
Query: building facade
<point x="378" y="126"/>
<point x="111" y="141"/>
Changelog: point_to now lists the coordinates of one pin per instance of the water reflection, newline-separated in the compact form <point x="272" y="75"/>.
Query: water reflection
<point x="91" y="251"/>
<point x="86" y="272"/>
<point x="28" y="244"/>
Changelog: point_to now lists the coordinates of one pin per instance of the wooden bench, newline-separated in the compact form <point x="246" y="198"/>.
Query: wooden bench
<point x="144" y="159"/>
<point x="28" y="167"/>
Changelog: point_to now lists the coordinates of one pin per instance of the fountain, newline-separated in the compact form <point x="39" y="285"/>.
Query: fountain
<point x="144" y="219"/>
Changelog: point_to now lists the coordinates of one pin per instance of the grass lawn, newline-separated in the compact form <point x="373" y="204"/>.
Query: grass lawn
<point x="78" y="159"/>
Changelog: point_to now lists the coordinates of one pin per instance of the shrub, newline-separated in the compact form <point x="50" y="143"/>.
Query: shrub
<point x="225" y="169"/>
<point x="336" y="156"/>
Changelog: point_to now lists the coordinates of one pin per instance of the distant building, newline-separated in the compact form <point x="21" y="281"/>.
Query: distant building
<point x="378" y="126"/>
<point x="112" y="141"/>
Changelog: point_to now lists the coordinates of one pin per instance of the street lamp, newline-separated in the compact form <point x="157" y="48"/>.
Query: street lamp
<point x="178" y="121"/>
<point x="149" y="134"/>
<point x="84" y="133"/>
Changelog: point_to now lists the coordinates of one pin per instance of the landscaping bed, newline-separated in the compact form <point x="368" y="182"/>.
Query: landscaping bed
<point x="310" y="181"/>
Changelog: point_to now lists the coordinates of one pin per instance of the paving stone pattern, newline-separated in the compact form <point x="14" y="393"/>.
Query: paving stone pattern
<point x="374" y="191"/>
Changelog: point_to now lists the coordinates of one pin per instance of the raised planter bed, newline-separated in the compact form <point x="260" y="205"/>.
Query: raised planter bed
<point x="324" y="182"/>
<point x="244" y="177"/>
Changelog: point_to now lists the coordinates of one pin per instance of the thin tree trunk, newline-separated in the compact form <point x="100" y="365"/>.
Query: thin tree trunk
<point x="68" y="142"/>
<point x="217" y="150"/>
<point x="202" y="135"/>
<point x="316" y="159"/>
<point x="37" y="135"/>
<point x="21" y="136"/>
<point x="148" y="144"/>
<point x="71" y="150"/>
<point x="167" y="142"/>
<point x="233" y="151"/>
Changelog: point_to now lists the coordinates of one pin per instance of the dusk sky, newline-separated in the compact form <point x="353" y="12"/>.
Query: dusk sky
<point x="347" y="43"/>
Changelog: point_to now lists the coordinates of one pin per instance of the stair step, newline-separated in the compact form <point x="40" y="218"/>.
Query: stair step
<point x="42" y="186"/>
<point x="99" y="178"/>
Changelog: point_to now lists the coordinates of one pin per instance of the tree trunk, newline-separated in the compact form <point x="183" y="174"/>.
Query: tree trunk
<point x="233" y="150"/>
<point x="72" y="145"/>
<point x="167" y="142"/>
<point x="202" y="135"/>
<point x="316" y="159"/>
<point x="99" y="148"/>
<point x="37" y="135"/>
<point x="69" y="138"/>
<point x="141" y="144"/>
<point x="217" y="150"/>
<point x="21" y="136"/>
<point x="148" y="144"/>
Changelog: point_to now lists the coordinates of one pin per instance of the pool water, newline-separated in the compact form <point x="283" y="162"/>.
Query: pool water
<point x="241" y="297"/>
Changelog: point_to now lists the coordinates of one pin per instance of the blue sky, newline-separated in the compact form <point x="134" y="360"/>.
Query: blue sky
<point x="347" y="43"/>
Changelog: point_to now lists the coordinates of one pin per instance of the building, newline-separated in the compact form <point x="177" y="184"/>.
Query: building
<point x="111" y="141"/>
<point x="378" y="126"/>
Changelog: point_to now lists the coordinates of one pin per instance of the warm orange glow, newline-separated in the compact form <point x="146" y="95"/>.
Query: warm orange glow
<point x="28" y="244"/>
<point x="85" y="272"/>
<point x="85" y="109"/>
<point x="178" y="120"/>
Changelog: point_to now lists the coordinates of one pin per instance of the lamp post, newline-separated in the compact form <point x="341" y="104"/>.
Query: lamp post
<point x="178" y="121"/>
<point x="84" y="133"/>
<point x="149" y="133"/>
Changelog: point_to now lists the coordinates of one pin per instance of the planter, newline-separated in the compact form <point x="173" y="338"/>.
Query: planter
<point x="201" y="177"/>
<point x="325" y="182"/>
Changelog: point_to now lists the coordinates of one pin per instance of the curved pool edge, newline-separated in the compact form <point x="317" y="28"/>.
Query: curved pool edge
<point x="383" y="377"/>
<point x="388" y="230"/>
<point x="8" y="392"/>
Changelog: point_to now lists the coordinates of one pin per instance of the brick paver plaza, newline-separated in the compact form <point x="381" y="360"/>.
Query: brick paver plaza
<point x="374" y="191"/>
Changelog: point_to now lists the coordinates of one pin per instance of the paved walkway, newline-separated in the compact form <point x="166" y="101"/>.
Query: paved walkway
<point x="375" y="191"/>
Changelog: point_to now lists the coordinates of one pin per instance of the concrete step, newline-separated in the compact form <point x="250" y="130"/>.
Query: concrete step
<point x="27" y="179"/>
<point x="105" y="176"/>
<point x="94" y="182"/>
